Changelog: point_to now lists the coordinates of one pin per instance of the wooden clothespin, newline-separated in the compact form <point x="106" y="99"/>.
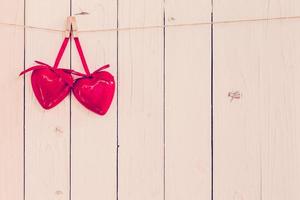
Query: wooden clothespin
<point x="71" y="26"/>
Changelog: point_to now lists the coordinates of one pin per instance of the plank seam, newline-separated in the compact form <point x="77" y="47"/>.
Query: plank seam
<point x="212" y="98"/>
<point x="70" y="121"/>
<point x="117" y="134"/>
<point x="24" y="99"/>
<point x="164" y="101"/>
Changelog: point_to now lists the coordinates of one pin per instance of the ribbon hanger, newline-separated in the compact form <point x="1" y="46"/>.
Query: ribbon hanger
<point x="52" y="84"/>
<point x="71" y="31"/>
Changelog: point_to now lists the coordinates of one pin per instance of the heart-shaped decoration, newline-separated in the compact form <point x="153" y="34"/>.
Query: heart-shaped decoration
<point x="50" y="86"/>
<point x="95" y="92"/>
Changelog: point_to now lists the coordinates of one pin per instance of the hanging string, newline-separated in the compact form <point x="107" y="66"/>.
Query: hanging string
<point x="155" y="27"/>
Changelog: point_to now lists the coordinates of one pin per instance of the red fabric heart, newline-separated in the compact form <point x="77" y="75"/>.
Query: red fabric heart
<point x="96" y="91"/>
<point x="50" y="86"/>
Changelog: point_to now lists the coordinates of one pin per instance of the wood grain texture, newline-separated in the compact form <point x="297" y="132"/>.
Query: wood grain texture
<point x="256" y="136"/>
<point x="11" y="118"/>
<point x="93" y="136"/>
<point x="187" y="127"/>
<point x="46" y="132"/>
<point x="141" y="101"/>
<point x="187" y="100"/>
<point x="161" y="117"/>
<point x="239" y="9"/>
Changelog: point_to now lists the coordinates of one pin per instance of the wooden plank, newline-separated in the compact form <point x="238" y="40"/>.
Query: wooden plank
<point x="256" y="137"/>
<point x="94" y="136"/>
<point x="141" y="101"/>
<point x="236" y="9"/>
<point x="47" y="132"/>
<point x="11" y="118"/>
<point x="237" y="122"/>
<point x="187" y="99"/>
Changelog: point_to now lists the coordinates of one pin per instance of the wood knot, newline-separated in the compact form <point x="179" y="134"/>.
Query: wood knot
<point x="171" y="19"/>
<point x="58" y="192"/>
<point x="82" y="13"/>
<point x="234" y="95"/>
<point x="58" y="130"/>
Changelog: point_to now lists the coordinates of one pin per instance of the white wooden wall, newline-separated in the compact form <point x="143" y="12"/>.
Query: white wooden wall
<point x="172" y="132"/>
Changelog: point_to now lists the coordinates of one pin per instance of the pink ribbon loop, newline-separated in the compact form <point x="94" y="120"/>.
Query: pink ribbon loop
<point x="85" y="75"/>
<point x="61" y="52"/>
<point x="42" y="65"/>
<point x="71" y="71"/>
<point x="102" y="68"/>
<point x="81" y="55"/>
<point x="34" y="68"/>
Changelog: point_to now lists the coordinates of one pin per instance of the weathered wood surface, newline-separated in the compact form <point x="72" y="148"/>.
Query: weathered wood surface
<point x="180" y="90"/>
<point x="11" y="100"/>
<point x="187" y="101"/>
<point x="94" y="138"/>
<point x="256" y="137"/>
<point x="47" y="133"/>
<point x="141" y="157"/>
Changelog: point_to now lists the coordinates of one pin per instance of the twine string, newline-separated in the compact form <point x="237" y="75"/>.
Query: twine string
<point x="156" y="26"/>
